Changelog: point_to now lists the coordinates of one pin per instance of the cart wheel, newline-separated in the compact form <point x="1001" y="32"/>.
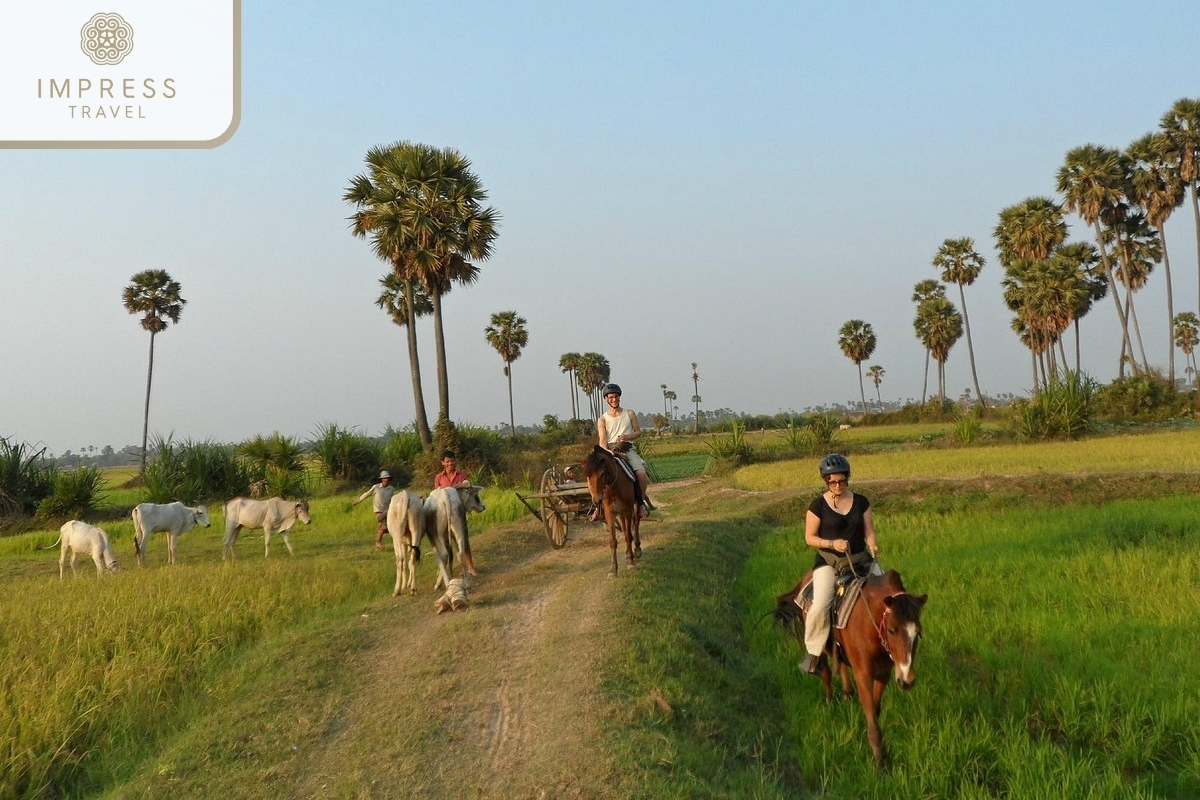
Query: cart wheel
<point x="554" y="521"/>
<point x="548" y="484"/>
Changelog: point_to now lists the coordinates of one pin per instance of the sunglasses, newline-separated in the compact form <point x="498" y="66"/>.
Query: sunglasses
<point x="837" y="482"/>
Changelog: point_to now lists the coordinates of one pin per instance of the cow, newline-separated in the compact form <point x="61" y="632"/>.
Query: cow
<point x="174" y="518"/>
<point x="406" y="524"/>
<point x="273" y="515"/>
<point x="80" y="537"/>
<point x="446" y="522"/>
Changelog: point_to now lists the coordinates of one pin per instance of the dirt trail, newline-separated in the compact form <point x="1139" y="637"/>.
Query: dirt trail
<point x="499" y="701"/>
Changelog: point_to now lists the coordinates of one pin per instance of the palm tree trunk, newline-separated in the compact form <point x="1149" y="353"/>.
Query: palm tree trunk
<point x="414" y="364"/>
<point x="861" y="390"/>
<point x="1033" y="360"/>
<point x="1131" y="314"/>
<point x="970" y="347"/>
<point x="1112" y="288"/>
<point x="1162" y="237"/>
<point x="1078" y="349"/>
<point x="439" y="342"/>
<point x="1196" y="219"/>
<point x="512" y="425"/>
<point x="925" y="383"/>
<point x="146" y="411"/>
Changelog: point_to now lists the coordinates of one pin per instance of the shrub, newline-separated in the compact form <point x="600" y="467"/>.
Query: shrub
<point x="25" y="477"/>
<point x="346" y="456"/>
<point x="193" y="472"/>
<point x="732" y="450"/>
<point x="74" y="495"/>
<point x="1062" y="409"/>
<point x="1141" y="398"/>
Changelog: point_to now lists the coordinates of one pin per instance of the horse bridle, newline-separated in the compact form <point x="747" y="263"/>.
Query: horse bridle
<point x="881" y="628"/>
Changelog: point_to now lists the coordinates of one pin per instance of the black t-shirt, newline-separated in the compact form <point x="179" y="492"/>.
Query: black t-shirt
<point x="847" y="526"/>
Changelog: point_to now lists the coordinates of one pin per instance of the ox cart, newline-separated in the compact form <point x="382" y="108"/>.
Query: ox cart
<point x="556" y="503"/>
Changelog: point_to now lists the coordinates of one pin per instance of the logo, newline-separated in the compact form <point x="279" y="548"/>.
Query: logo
<point x="77" y="76"/>
<point x="106" y="39"/>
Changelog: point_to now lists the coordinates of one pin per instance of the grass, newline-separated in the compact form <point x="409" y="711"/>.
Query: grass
<point x="1059" y="641"/>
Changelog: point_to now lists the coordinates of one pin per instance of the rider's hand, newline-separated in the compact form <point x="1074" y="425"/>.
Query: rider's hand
<point x="841" y="545"/>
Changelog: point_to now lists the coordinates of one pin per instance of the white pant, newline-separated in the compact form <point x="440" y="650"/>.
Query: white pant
<point x="816" y="622"/>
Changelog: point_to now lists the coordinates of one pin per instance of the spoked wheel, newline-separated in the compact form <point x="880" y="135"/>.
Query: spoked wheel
<point x="554" y="519"/>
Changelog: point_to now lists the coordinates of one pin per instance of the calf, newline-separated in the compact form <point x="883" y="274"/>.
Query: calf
<point x="80" y="537"/>
<point x="275" y="514"/>
<point x="445" y="522"/>
<point x="174" y="518"/>
<point x="406" y="524"/>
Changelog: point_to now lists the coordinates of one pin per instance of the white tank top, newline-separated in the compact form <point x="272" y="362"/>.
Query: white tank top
<point x="615" y="427"/>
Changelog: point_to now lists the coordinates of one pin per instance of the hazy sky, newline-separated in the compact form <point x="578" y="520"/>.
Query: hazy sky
<point x="679" y="182"/>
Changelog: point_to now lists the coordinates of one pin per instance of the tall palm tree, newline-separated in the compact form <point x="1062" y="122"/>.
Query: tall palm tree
<point x="422" y="208"/>
<point x="1092" y="181"/>
<point x="507" y="334"/>
<point x="925" y="290"/>
<point x="569" y="364"/>
<point x="961" y="264"/>
<point x="1158" y="190"/>
<point x="943" y="326"/>
<point x="696" y="398"/>
<point x="592" y="372"/>
<point x="664" y="391"/>
<point x="857" y="340"/>
<point x="1181" y="126"/>
<point x="1084" y="261"/>
<point x="394" y="301"/>
<point x="875" y="373"/>
<point x="157" y="297"/>
<point x="670" y="397"/>
<point x="1187" y="336"/>
<point x="1138" y="249"/>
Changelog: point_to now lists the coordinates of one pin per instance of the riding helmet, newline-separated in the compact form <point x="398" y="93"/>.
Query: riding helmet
<point x="835" y="464"/>
<point x="610" y="388"/>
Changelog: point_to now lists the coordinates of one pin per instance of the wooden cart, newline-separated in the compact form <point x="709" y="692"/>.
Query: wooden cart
<point x="556" y="504"/>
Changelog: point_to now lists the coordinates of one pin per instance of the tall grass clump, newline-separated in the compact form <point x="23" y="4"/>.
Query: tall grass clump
<point x="25" y="477"/>
<point x="193" y="472"/>
<point x="277" y="463"/>
<point x="1061" y="409"/>
<point x="346" y="456"/>
<point x="967" y="427"/>
<point x="75" y="494"/>
<point x="732" y="450"/>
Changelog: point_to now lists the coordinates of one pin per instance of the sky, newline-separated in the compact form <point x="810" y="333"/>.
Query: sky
<point x="678" y="182"/>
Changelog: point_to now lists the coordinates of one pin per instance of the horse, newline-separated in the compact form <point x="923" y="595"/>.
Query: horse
<point x="614" y="486"/>
<point x="879" y="640"/>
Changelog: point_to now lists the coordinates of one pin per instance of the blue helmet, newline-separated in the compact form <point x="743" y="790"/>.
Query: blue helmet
<point x="610" y="388"/>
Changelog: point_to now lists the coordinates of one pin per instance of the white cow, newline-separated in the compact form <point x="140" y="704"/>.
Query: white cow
<point x="446" y="522"/>
<point x="273" y="515"/>
<point x="406" y="524"/>
<point x="80" y="537"/>
<point x="174" y="518"/>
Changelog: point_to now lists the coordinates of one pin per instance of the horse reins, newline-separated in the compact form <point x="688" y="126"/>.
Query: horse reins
<point x="881" y="628"/>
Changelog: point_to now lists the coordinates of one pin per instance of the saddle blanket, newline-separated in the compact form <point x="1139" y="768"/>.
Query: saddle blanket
<point x="844" y="597"/>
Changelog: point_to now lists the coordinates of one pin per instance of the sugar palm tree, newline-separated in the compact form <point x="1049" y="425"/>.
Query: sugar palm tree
<point x="1158" y="190"/>
<point x="423" y="208"/>
<point x="669" y="396"/>
<point x="1137" y="249"/>
<point x="875" y="373"/>
<point x="943" y="328"/>
<point x="157" y="298"/>
<point x="568" y="363"/>
<point x="857" y="341"/>
<point x="925" y="290"/>
<point x="696" y="398"/>
<point x="1181" y="126"/>
<point x="1092" y="181"/>
<point x="1187" y="336"/>
<point x="1084" y="262"/>
<point x="592" y="372"/>
<point x="507" y="334"/>
<point x="961" y="264"/>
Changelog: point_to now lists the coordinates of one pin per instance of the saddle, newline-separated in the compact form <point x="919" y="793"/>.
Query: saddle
<point x="845" y="594"/>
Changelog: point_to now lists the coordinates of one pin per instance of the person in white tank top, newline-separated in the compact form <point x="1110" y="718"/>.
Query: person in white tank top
<point x="617" y="426"/>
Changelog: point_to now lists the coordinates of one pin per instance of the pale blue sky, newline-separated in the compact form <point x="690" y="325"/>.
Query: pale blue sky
<point x="678" y="182"/>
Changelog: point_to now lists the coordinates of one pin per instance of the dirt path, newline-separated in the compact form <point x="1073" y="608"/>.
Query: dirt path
<point x="499" y="701"/>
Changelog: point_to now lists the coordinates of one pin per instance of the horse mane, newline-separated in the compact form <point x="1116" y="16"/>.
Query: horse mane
<point x="595" y="461"/>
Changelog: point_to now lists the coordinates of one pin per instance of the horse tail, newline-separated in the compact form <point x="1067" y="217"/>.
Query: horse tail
<point x="787" y="612"/>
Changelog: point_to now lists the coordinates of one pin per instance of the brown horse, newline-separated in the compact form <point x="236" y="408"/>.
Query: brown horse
<point x="880" y="640"/>
<point x="611" y="485"/>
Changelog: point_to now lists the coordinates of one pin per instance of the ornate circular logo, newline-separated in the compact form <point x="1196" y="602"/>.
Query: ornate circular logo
<point x="106" y="39"/>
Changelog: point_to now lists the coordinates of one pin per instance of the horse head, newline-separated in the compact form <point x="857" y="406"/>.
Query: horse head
<point x="900" y="633"/>
<point x="596" y="471"/>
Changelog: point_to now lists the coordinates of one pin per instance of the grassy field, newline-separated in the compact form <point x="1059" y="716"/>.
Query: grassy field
<point x="1064" y="585"/>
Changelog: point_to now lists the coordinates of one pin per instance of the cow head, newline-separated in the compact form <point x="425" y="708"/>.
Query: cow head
<point x="470" y="499"/>
<point x="302" y="511"/>
<point x="200" y="515"/>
